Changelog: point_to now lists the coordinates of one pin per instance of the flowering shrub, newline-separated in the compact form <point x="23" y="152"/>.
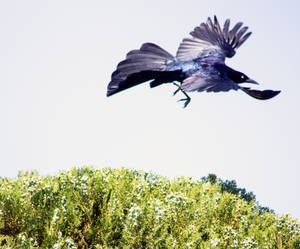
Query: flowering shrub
<point x="122" y="208"/>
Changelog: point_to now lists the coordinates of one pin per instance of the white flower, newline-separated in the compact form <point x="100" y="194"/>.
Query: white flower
<point x="55" y="216"/>
<point x="232" y="232"/>
<point x="134" y="212"/>
<point x="84" y="178"/>
<point x="248" y="242"/>
<point x="188" y="245"/>
<point x="214" y="242"/>
<point x="235" y="244"/>
<point x="31" y="188"/>
<point x="70" y="244"/>
<point x="56" y="246"/>
<point x="22" y="237"/>
<point x="174" y="243"/>
<point x="63" y="202"/>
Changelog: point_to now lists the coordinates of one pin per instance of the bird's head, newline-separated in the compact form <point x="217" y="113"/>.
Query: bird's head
<point x="239" y="77"/>
<point x="234" y="75"/>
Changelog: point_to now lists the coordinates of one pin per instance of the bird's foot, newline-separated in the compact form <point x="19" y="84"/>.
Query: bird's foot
<point x="187" y="101"/>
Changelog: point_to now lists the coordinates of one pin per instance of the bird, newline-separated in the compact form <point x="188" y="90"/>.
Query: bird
<point x="199" y="64"/>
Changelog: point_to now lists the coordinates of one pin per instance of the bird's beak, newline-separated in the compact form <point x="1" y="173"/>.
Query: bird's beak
<point x="251" y="81"/>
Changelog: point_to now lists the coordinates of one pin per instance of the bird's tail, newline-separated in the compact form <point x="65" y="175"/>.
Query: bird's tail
<point x="147" y="63"/>
<point x="257" y="94"/>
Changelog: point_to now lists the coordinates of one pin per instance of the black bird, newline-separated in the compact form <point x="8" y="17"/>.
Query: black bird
<point x="199" y="64"/>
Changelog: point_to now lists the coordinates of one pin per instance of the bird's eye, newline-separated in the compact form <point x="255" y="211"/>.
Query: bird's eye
<point x="243" y="77"/>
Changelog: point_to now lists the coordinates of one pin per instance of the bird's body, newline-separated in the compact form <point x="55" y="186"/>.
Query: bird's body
<point x="199" y="64"/>
<point x="210" y="77"/>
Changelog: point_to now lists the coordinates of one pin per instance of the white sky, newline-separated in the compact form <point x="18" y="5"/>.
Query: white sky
<point x="56" y="58"/>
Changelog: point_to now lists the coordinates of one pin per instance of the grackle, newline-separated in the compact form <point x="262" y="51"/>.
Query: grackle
<point x="199" y="64"/>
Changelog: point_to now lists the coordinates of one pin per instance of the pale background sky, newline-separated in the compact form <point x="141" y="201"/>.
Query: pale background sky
<point x="56" y="58"/>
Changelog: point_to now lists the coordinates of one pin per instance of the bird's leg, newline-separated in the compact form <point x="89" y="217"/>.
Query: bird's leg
<point x="177" y="90"/>
<point x="187" y="99"/>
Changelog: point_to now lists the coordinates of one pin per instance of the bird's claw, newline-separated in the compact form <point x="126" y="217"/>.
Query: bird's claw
<point x="187" y="101"/>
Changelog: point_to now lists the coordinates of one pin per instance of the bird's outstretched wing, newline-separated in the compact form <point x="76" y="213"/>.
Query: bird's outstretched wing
<point x="211" y="42"/>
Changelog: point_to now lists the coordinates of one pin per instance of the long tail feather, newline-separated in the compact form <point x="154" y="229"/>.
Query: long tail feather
<point x="257" y="94"/>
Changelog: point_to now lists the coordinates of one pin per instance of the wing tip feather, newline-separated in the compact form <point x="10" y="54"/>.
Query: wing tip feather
<point x="226" y="39"/>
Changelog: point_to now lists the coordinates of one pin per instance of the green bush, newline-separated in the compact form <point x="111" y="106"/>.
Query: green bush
<point x="122" y="208"/>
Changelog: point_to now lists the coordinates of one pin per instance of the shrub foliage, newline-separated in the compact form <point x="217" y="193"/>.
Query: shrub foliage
<point x="122" y="208"/>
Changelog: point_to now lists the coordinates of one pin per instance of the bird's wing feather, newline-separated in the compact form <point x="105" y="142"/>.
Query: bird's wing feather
<point x="193" y="48"/>
<point x="209" y="40"/>
<point x="195" y="83"/>
<point x="201" y="82"/>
